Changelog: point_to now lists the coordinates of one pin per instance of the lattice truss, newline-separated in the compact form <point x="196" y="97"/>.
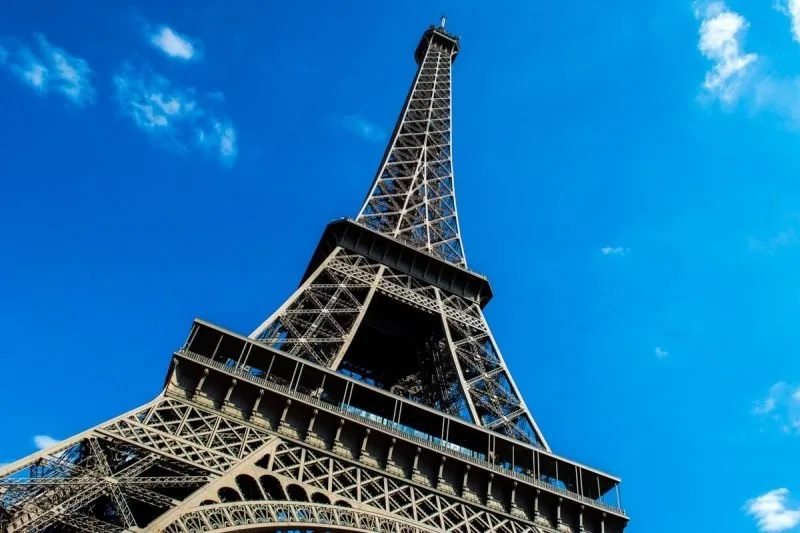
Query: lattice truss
<point x="319" y="320"/>
<point x="375" y="489"/>
<point x="412" y="198"/>
<point x="173" y="466"/>
<point x="124" y="473"/>
<point x="293" y="484"/>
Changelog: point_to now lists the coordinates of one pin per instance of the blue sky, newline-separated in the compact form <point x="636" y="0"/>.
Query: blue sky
<point x="627" y="175"/>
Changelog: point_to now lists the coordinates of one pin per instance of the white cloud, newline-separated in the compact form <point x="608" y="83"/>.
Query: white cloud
<point x="177" y="116"/>
<point x="35" y="74"/>
<point x="175" y="44"/>
<point x="796" y="395"/>
<point x="721" y="35"/>
<point x="44" y="441"/>
<point x="358" y="125"/>
<point x="791" y="8"/>
<point x="661" y="352"/>
<point x="773" y="512"/>
<point x="614" y="250"/>
<point x="51" y="69"/>
<point x="737" y="75"/>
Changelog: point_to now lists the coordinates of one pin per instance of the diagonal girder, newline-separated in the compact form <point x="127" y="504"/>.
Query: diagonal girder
<point x="107" y="478"/>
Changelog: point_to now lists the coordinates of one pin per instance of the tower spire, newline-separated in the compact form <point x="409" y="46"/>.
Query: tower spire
<point x="412" y="198"/>
<point x="442" y="21"/>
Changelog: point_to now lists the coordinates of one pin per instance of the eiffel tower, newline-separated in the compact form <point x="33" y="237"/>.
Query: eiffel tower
<point x="374" y="399"/>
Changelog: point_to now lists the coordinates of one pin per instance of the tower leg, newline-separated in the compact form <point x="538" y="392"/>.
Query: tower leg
<point x="318" y="321"/>
<point x="123" y="473"/>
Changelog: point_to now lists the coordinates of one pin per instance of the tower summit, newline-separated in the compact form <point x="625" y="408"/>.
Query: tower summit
<point x="412" y="197"/>
<point x="374" y="398"/>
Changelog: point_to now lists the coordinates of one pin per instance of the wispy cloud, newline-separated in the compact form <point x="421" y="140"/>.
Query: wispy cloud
<point x="780" y="96"/>
<point x="358" y="125"/>
<point x="773" y="511"/>
<point x="176" y="116"/>
<point x="765" y="406"/>
<point x="770" y="401"/>
<point x="51" y="69"/>
<point x="151" y="101"/>
<point x="614" y="250"/>
<point x="781" y="405"/>
<point x="219" y="137"/>
<point x="721" y="41"/>
<point x="44" y="441"/>
<point x="174" y="44"/>
<point x="782" y="239"/>
<point x="661" y="352"/>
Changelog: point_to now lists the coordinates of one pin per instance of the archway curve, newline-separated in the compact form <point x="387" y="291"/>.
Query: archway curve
<point x="319" y="497"/>
<point x="249" y="488"/>
<point x="297" y="493"/>
<point x="266" y="516"/>
<point x="272" y="488"/>
<point x="229" y="495"/>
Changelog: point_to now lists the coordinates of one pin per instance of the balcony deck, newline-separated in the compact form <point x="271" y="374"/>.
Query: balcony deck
<point x="321" y="388"/>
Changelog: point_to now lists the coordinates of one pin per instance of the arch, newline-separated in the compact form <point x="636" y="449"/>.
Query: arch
<point x="297" y="493"/>
<point x="263" y="462"/>
<point x="318" y="497"/>
<point x="208" y="502"/>
<point x="227" y="494"/>
<point x="342" y="503"/>
<point x="248" y="487"/>
<point x="281" y="516"/>
<point x="272" y="488"/>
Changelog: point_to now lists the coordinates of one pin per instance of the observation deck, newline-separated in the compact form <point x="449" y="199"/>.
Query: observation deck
<point x="267" y="387"/>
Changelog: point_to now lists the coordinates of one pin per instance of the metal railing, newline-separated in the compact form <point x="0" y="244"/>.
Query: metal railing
<point x="412" y="435"/>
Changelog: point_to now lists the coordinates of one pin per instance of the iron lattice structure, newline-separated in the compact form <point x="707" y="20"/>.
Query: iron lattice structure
<point x="374" y="399"/>
<point x="413" y="198"/>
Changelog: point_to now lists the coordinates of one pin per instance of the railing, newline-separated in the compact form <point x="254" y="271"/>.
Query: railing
<point x="412" y="435"/>
<point x="409" y="431"/>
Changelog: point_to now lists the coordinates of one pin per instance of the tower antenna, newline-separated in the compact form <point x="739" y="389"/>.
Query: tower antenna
<point x="442" y="21"/>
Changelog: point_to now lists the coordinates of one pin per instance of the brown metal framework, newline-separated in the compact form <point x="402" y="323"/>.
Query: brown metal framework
<point x="413" y="197"/>
<point x="374" y="399"/>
